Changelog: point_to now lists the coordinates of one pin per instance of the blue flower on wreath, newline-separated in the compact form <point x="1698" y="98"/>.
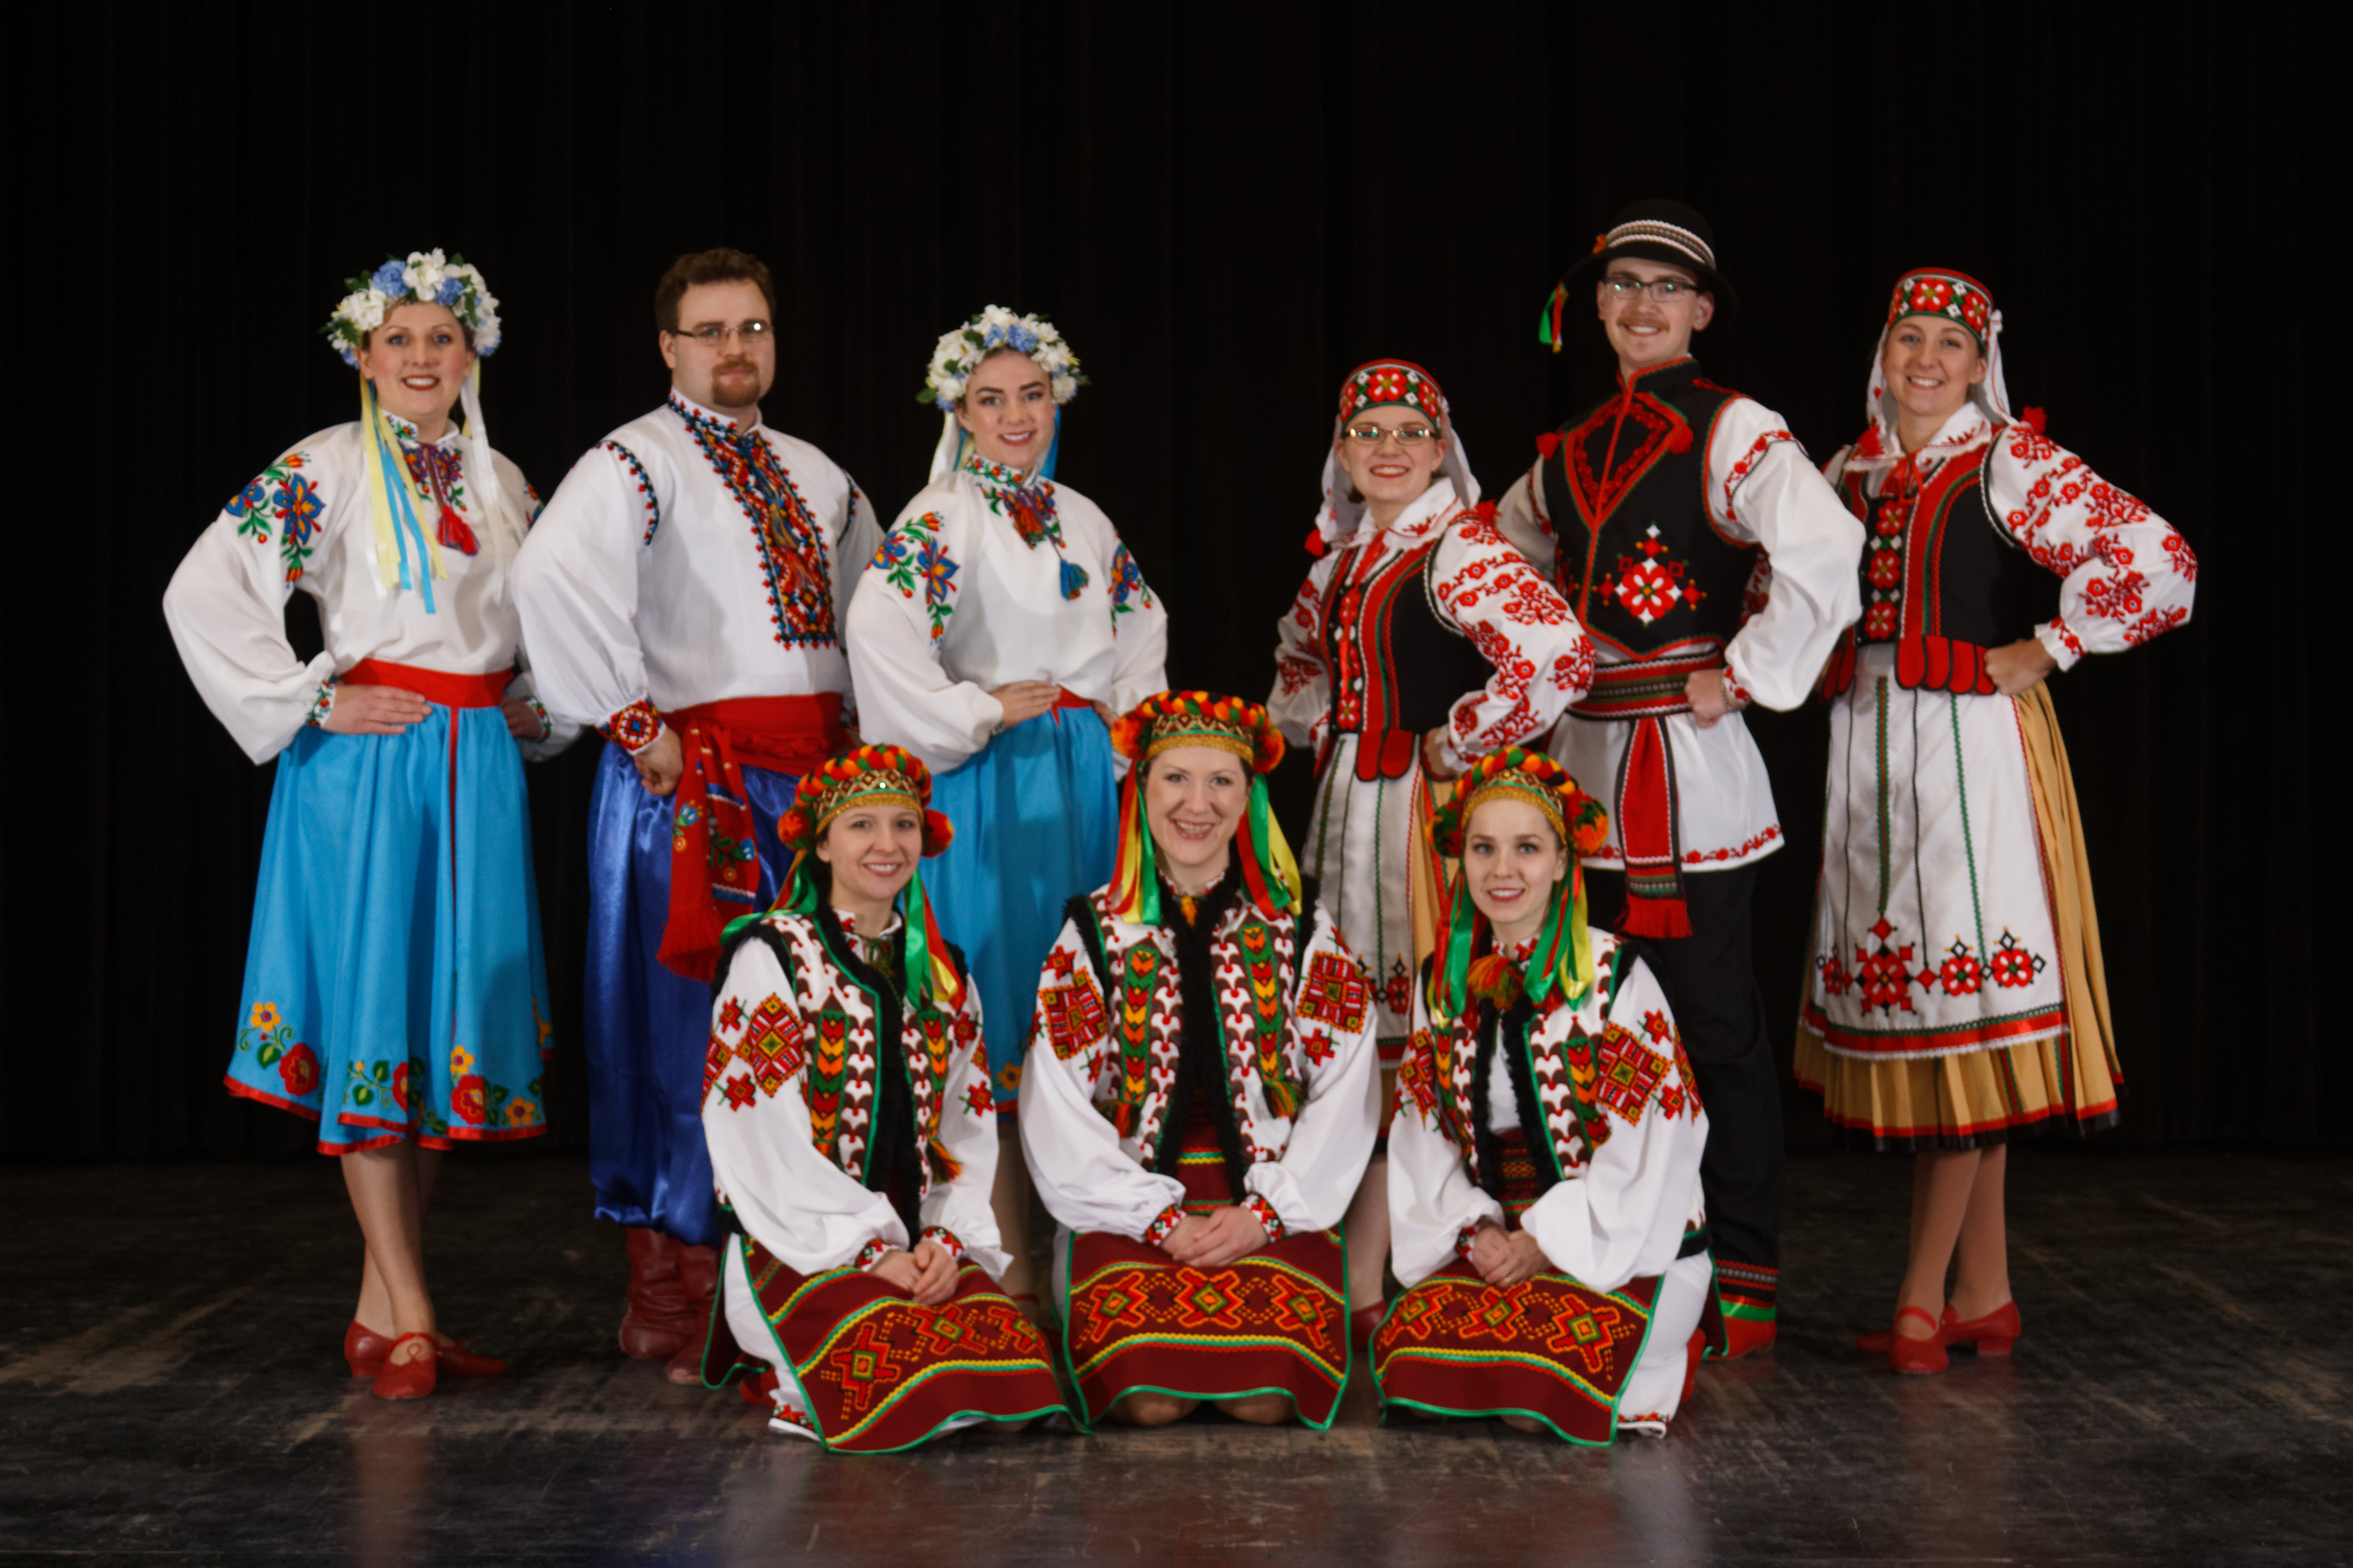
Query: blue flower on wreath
<point x="1022" y="338"/>
<point x="452" y="290"/>
<point x="388" y="280"/>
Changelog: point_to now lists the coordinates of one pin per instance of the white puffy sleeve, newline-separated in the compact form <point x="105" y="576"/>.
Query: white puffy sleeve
<point x="1760" y="487"/>
<point x="1433" y="1199"/>
<point x="793" y="1201"/>
<point x="518" y="494"/>
<point x="959" y="1205"/>
<point x="1331" y="1023"/>
<point x="576" y="582"/>
<point x="2127" y="576"/>
<point x="1301" y="701"/>
<point x="906" y="596"/>
<point x="1622" y="1215"/>
<point x="1520" y="517"/>
<point x="1541" y="658"/>
<point x="227" y="603"/>
<point x="853" y="547"/>
<point x="1086" y="1179"/>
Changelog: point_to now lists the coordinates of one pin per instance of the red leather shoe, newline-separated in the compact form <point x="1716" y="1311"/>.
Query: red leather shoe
<point x="1910" y="1356"/>
<point x="760" y="1392"/>
<point x="406" y="1379"/>
<point x="458" y="1362"/>
<point x="654" y="1327"/>
<point x="1743" y="1335"/>
<point x="1994" y="1334"/>
<point x="363" y="1350"/>
<point x="1365" y="1322"/>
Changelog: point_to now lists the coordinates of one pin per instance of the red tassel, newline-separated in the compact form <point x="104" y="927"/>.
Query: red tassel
<point x="1655" y="917"/>
<point x="2032" y="418"/>
<point x="1315" y="545"/>
<point x="1679" y="439"/>
<point x="1547" y="444"/>
<point x="452" y="531"/>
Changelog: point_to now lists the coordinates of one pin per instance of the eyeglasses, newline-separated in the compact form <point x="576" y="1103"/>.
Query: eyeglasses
<point x="1410" y="436"/>
<point x="1624" y="285"/>
<point x="715" y="336"/>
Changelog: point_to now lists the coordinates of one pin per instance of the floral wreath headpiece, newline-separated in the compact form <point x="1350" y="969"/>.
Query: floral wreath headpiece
<point x="958" y="353"/>
<point x="407" y="554"/>
<point x="425" y="278"/>
<point x="872" y="776"/>
<point x="1175" y="719"/>
<point x="1466" y="964"/>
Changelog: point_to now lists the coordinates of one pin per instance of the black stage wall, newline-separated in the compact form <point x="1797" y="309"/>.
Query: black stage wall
<point x="1225" y="207"/>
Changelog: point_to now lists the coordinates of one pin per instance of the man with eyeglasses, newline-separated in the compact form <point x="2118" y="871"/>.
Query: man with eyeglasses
<point x="1713" y="567"/>
<point x="684" y="591"/>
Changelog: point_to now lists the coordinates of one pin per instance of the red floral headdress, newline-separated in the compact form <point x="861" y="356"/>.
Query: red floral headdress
<point x="873" y="775"/>
<point x="1466" y="962"/>
<point x="1175" y="718"/>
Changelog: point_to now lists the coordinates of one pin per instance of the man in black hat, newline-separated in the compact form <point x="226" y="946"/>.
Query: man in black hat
<point x="1713" y="567"/>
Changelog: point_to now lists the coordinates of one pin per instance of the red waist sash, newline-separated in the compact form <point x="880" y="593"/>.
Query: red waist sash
<point x="714" y="869"/>
<point x="441" y="686"/>
<point x="1646" y="692"/>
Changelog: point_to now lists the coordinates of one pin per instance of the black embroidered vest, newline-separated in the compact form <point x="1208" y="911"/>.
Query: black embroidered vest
<point x="1641" y="561"/>
<point x="1398" y="667"/>
<point x="1940" y="580"/>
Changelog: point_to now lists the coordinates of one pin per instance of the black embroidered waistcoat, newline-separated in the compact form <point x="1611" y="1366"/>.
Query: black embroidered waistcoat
<point x="1397" y="665"/>
<point x="1639" y="560"/>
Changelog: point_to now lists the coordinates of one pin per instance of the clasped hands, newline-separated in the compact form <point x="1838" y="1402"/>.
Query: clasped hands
<point x="928" y="1274"/>
<point x="1506" y="1258"/>
<point x="1222" y="1235"/>
<point x="391" y="710"/>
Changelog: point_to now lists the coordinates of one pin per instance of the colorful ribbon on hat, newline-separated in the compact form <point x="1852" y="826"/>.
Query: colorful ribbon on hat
<point x="1175" y="719"/>
<point x="1466" y="964"/>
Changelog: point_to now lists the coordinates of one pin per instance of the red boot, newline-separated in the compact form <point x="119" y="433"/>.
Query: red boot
<point x="697" y="1281"/>
<point x="652" y="1329"/>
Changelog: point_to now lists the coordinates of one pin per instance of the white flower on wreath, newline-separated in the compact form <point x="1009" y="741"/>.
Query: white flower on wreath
<point x="961" y="349"/>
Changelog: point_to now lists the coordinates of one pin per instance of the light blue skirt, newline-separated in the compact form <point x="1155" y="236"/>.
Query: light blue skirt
<point x="394" y="986"/>
<point x="1037" y="822"/>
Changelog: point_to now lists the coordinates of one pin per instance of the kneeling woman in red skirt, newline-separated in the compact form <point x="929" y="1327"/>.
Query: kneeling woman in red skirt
<point x="1543" y="1166"/>
<point x="846" y="1102"/>
<point x="1208" y="1106"/>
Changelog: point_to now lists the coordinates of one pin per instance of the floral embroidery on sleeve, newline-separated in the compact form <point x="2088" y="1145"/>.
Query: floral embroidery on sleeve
<point x="636" y="473"/>
<point x="1127" y="587"/>
<point x="872" y="1253"/>
<point x="634" y="728"/>
<point x="1264" y="1212"/>
<point x="912" y="556"/>
<point x="321" y="705"/>
<point x="1163" y="1223"/>
<point x="282" y="492"/>
<point x="946" y="1239"/>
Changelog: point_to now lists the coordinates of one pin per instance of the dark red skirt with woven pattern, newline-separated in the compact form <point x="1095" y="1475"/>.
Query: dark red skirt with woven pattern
<point x="1549" y="1348"/>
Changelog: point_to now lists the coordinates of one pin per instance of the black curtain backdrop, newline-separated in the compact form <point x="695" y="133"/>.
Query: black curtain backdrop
<point x="1225" y="208"/>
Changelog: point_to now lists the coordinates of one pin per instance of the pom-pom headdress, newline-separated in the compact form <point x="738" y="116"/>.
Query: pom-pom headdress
<point x="1175" y="719"/>
<point x="405" y="554"/>
<point x="1466" y="964"/>
<point x="960" y="353"/>
<point x="870" y="776"/>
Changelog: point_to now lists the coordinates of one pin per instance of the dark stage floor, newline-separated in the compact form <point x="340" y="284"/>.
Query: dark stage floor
<point x="170" y="1389"/>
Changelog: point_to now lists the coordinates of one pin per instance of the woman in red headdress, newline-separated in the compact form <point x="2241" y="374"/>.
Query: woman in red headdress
<point x="1544" y="1164"/>
<point x="1956" y="996"/>
<point x="847" y="1107"/>
<point x="1421" y="641"/>
<point x="1207" y="1105"/>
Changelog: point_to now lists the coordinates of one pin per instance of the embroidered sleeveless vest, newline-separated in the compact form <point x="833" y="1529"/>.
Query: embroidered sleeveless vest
<point x="1397" y="665"/>
<point x="1939" y="580"/>
<point x="1640" y="558"/>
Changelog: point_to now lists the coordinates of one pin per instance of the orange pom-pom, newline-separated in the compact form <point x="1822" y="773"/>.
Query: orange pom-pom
<point x="1493" y="981"/>
<point x="938" y="832"/>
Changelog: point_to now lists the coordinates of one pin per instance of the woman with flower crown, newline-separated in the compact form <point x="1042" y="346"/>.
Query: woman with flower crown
<point x="997" y="631"/>
<point x="1956" y="996"/>
<point x="394" y="990"/>
<point x="1421" y="641"/>
<point x="1202" y="1104"/>
<point x="1543" y="1165"/>
<point x="846" y="1107"/>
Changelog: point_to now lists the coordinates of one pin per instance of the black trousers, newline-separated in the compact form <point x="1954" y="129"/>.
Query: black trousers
<point x="1711" y="983"/>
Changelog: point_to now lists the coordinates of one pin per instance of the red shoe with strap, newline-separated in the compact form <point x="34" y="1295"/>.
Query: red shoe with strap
<point x="1996" y="1333"/>
<point x="365" y="1350"/>
<point x="1915" y="1356"/>
<point x="1365" y="1322"/>
<point x="412" y="1379"/>
<point x="458" y="1362"/>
